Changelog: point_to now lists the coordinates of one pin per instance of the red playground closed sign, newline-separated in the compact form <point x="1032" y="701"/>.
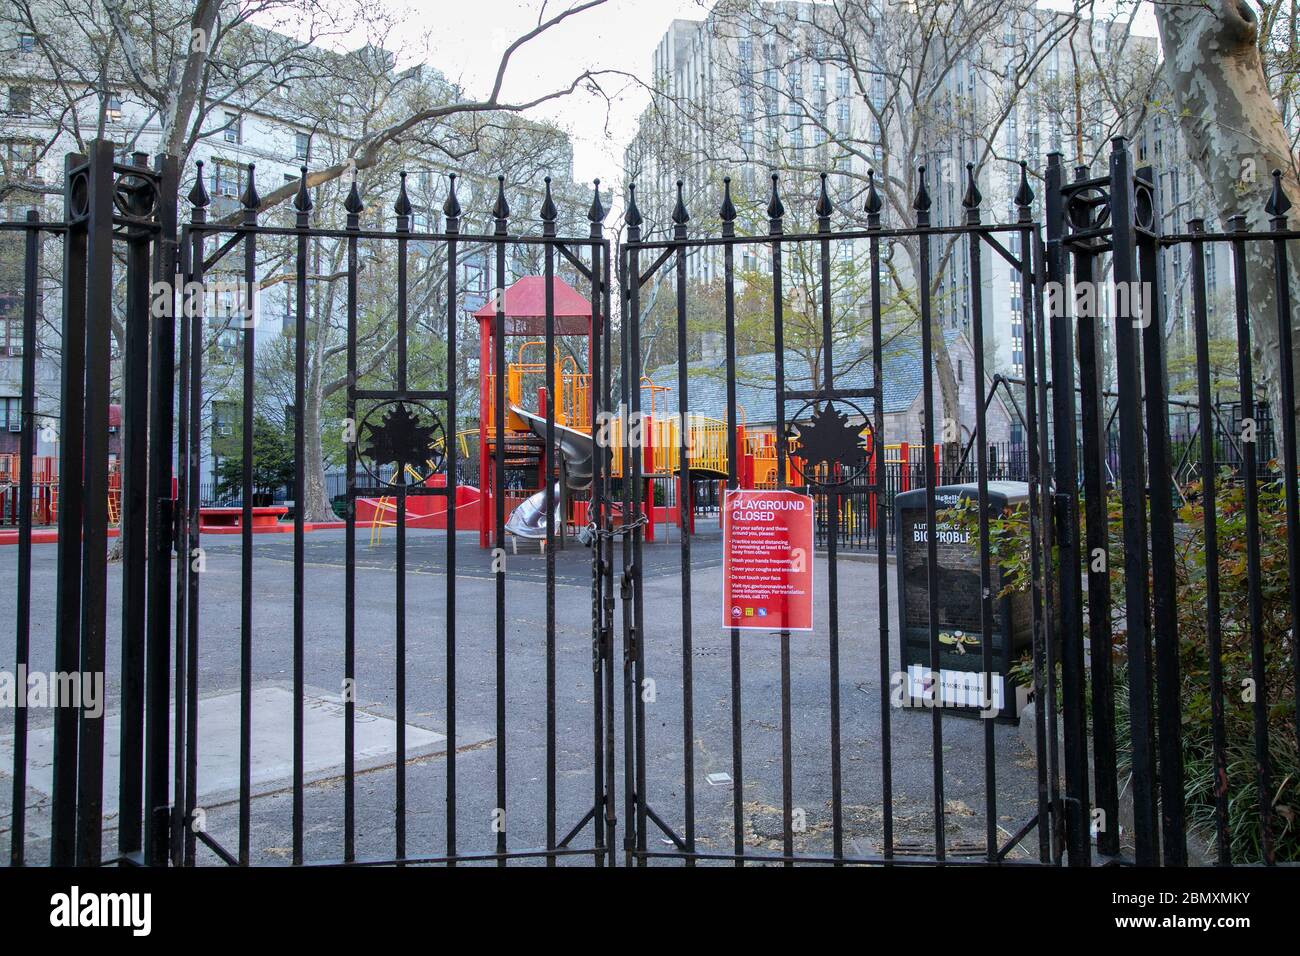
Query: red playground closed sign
<point x="767" y="549"/>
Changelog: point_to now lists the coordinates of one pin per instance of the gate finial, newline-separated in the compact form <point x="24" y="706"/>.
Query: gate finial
<point x="680" y="216"/>
<point x="632" y="218"/>
<point x="198" y="196"/>
<point x="1278" y="204"/>
<point x="971" y="201"/>
<point x="451" y="206"/>
<point x="775" y="208"/>
<point x="548" y="211"/>
<point x="354" y="205"/>
<point x="251" y="200"/>
<point x="922" y="201"/>
<point x="1024" y="195"/>
<point x="728" y="210"/>
<point x="501" y="209"/>
<point x="302" y="201"/>
<point x="596" y="212"/>
<point x="874" y="204"/>
<point x="403" y="205"/>
<point x="824" y="208"/>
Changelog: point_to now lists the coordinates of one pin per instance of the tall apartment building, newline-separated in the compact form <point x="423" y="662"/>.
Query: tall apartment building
<point x="758" y="87"/>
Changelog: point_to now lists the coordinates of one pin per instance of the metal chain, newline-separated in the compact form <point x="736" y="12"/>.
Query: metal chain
<point x="626" y="528"/>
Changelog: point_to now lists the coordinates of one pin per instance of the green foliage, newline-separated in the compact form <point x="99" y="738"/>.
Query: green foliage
<point x="272" y="462"/>
<point x="1009" y="542"/>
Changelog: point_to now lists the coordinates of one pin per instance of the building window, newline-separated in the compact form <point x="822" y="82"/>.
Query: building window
<point x="20" y="100"/>
<point x="228" y="178"/>
<point x="113" y="107"/>
<point x="11" y="414"/>
<point x="233" y="131"/>
<point x="26" y="42"/>
<point x="301" y="145"/>
<point x="20" y="158"/>
<point x="13" y="333"/>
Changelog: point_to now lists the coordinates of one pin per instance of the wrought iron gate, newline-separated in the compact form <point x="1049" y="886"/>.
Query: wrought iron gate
<point x="645" y="809"/>
<point x="665" y="731"/>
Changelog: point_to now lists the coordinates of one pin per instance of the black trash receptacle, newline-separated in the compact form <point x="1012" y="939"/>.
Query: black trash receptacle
<point x="960" y="687"/>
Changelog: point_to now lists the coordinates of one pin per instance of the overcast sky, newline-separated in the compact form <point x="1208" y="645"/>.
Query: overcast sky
<point x="465" y="39"/>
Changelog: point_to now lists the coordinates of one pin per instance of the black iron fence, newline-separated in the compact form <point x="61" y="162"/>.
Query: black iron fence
<point x="1204" y="594"/>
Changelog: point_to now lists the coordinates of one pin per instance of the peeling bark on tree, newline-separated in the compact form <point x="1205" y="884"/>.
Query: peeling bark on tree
<point x="1236" y="138"/>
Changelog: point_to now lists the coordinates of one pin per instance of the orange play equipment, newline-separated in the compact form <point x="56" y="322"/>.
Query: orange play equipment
<point x="523" y="368"/>
<point x="522" y="445"/>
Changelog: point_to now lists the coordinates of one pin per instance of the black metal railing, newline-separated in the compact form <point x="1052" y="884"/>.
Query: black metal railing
<point x="1182" y="598"/>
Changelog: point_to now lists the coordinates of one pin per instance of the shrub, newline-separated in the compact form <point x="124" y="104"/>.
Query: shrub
<point x="1009" y="542"/>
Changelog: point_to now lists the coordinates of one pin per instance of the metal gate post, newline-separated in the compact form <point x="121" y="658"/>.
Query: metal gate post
<point x="1159" y="471"/>
<point x="1082" y="211"/>
<point x="1133" y="495"/>
<point x="72" y="394"/>
<point x="1066" y="501"/>
<point x="134" y="511"/>
<point x="161" y="522"/>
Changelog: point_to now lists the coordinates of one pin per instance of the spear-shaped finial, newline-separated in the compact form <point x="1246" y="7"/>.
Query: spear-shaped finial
<point x="596" y="211"/>
<point x="1024" y="195"/>
<point x="251" y="200"/>
<point x="548" y="211"/>
<point x="972" y="198"/>
<point x="632" y="217"/>
<point x="198" y="196"/>
<point x="775" y="208"/>
<point x="302" y="201"/>
<point x="451" y="205"/>
<point x="501" y="208"/>
<point x="403" y="205"/>
<point x="1278" y="204"/>
<point x="728" y="210"/>
<point x="874" y="203"/>
<point x="680" y="216"/>
<point x="824" y="208"/>
<point x="922" y="201"/>
<point x="354" y="205"/>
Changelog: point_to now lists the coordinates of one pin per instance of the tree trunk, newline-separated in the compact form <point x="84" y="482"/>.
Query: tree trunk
<point x="316" y="503"/>
<point x="951" y="401"/>
<point x="1236" y="138"/>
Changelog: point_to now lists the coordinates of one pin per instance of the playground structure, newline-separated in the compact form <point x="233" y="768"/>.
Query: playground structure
<point x="660" y="437"/>
<point x="524" y="446"/>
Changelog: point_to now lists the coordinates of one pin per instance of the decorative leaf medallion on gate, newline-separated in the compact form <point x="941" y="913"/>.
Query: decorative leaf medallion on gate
<point x="828" y="447"/>
<point x="401" y="443"/>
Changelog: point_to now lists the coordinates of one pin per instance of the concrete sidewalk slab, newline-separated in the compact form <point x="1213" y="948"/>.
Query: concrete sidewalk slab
<point x="272" y="745"/>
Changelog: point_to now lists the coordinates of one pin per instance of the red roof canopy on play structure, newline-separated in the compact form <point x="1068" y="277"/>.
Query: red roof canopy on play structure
<point x="525" y="308"/>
